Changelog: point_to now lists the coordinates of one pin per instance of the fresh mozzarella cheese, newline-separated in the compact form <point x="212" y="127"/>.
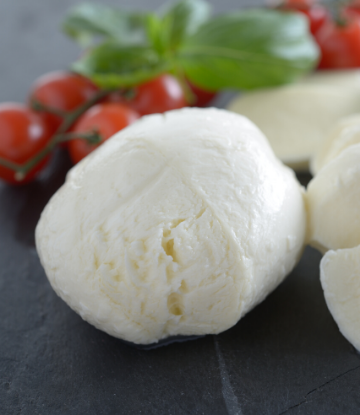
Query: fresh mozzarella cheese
<point x="333" y="200"/>
<point x="340" y="279"/>
<point x="347" y="78"/>
<point x="296" y="118"/>
<point x="178" y="225"/>
<point x="343" y="135"/>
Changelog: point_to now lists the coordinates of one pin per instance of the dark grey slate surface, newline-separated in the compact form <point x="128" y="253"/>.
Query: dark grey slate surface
<point x="286" y="356"/>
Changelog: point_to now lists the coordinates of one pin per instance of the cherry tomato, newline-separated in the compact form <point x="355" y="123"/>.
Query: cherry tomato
<point x="202" y="97"/>
<point x="352" y="8"/>
<point x="105" y="118"/>
<point x="23" y="133"/>
<point x="161" y="94"/>
<point x="316" y="13"/>
<point x="340" y="45"/>
<point x="64" y="91"/>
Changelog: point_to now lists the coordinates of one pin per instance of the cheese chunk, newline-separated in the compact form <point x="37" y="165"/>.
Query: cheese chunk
<point x="333" y="199"/>
<point x="343" y="135"/>
<point x="296" y="118"/>
<point x="346" y="78"/>
<point x="340" y="279"/>
<point x="178" y="225"/>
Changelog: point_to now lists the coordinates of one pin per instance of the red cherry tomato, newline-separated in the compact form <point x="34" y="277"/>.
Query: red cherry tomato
<point x="352" y="8"/>
<point x="105" y="118"/>
<point x="316" y="13"/>
<point x="62" y="91"/>
<point x="202" y="97"/>
<point x="161" y="94"/>
<point x="23" y="134"/>
<point x="317" y="16"/>
<point x="340" y="45"/>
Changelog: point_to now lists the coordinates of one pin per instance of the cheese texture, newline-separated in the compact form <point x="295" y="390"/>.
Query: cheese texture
<point x="296" y="118"/>
<point x="333" y="199"/>
<point x="178" y="225"/>
<point x="340" y="279"/>
<point x="346" y="78"/>
<point x="343" y="135"/>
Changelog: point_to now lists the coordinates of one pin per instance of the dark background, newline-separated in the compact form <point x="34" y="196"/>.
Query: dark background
<point x="286" y="356"/>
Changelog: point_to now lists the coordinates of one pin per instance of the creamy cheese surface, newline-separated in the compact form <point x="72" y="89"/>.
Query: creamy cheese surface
<point x="179" y="224"/>
<point x="333" y="199"/>
<point x="346" y="78"/>
<point x="344" y="134"/>
<point x="340" y="279"/>
<point x="296" y="118"/>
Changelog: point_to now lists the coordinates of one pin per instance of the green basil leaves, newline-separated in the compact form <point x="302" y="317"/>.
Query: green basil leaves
<point x="111" y="65"/>
<point x="243" y="50"/>
<point x="249" y="49"/>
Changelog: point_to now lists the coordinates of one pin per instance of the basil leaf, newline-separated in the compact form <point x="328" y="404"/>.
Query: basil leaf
<point x="156" y="33"/>
<point x="111" y="65"/>
<point x="167" y="29"/>
<point x="249" y="49"/>
<point x="88" y="21"/>
<point x="183" y="18"/>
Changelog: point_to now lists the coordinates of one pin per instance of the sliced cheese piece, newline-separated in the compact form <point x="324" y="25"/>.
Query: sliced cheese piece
<point x="348" y="78"/>
<point x="345" y="133"/>
<point x="296" y="118"/>
<point x="340" y="279"/>
<point x="333" y="201"/>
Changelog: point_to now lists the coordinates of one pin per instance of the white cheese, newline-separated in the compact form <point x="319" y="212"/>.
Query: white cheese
<point x="340" y="279"/>
<point x="333" y="199"/>
<point x="178" y="225"/>
<point x="343" y="135"/>
<point x="347" y="78"/>
<point x="296" y="118"/>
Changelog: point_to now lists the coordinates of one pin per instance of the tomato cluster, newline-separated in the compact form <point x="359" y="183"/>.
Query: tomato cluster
<point x="26" y="130"/>
<point x="55" y="98"/>
<point x="337" y="34"/>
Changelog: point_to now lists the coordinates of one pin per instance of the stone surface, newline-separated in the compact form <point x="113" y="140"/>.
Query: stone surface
<point x="286" y="357"/>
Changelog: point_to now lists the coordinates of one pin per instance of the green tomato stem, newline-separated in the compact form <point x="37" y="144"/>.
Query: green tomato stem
<point x="335" y="7"/>
<point x="61" y="135"/>
<point x="39" y="107"/>
<point x="72" y="117"/>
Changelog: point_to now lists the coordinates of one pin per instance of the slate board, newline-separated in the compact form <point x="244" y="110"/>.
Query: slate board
<point x="286" y="356"/>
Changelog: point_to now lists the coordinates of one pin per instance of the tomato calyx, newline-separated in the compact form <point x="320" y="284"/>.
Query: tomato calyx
<point x="107" y="118"/>
<point x="61" y="135"/>
<point x="339" y="40"/>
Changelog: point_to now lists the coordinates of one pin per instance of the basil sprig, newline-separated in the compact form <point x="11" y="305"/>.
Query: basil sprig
<point x="112" y="65"/>
<point x="182" y="19"/>
<point x="242" y="50"/>
<point x="87" y="23"/>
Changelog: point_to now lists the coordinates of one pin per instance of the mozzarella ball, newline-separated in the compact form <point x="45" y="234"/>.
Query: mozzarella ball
<point x="333" y="199"/>
<point x="344" y="134"/>
<point x="296" y="118"/>
<point x="177" y="225"/>
<point x="340" y="279"/>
